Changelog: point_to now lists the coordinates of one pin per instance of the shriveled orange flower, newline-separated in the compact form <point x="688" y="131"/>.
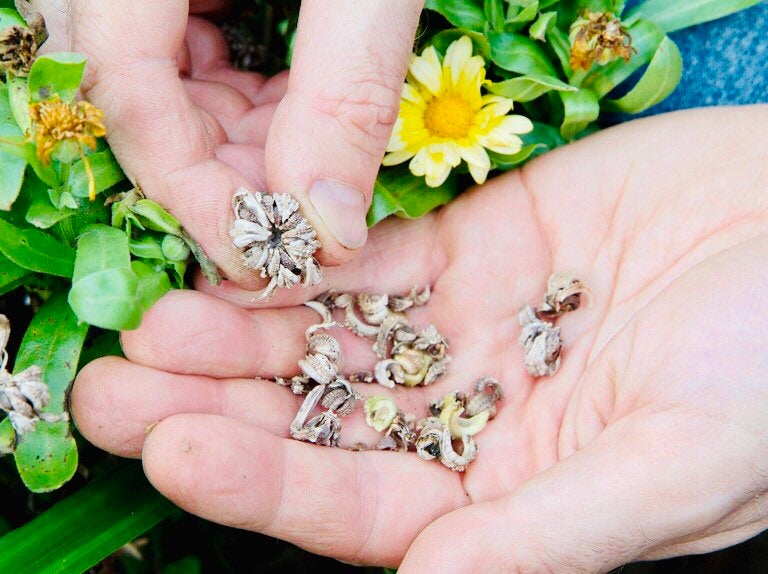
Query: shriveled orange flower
<point x="65" y="129"/>
<point x="598" y="37"/>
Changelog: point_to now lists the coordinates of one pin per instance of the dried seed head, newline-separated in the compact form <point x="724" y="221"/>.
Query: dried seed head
<point x="487" y="393"/>
<point x="450" y="415"/>
<point x="598" y="37"/>
<point x="276" y="239"/>
<point x="17" y="50"/>
<point x="323" y="430"/>
<point x="564" y="294"/>
<point x="541" y="343"/>
<point x="380" y="412"/>
<point x="340" y="397"/>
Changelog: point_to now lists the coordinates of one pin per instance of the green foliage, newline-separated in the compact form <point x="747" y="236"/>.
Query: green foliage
<point x="58" y="74"/>
<point x="671" y="16"/>
<point x="78" y="532"/>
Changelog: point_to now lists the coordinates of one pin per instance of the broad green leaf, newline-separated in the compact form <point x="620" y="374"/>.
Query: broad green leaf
<point x="85" y="528"/>
<point x="561" y="46"/>
<point x="519" y="54"/>
<point x="11" y="165"/>
<point x="671" y="16"/>
<point x="47" y="457"/>
<point x="18" y="93"/>
<point x="527" y="88"/>
<point x="174" y="248"/>
<point x="494" y="13"/>
<point x="108" y="299"/>
<point x="106" y="173"/>
<point x="541" y="26"/>
<point x="154" y="217"/>
<point x="517" y="20"/>
<point x="36" y="250"/>
<point x="658" y="81"/>
<point x="11" y="275"/>
<point x="460" y="13"/>
<point x="443" y="39"/>
<point x="579" y="110"/>
<point x="104" y="344"/>
<point x="43" y="214"/>
<point x="104" y="287"/>
<point x="398" y="192"/>
<point x="10" y="17"/>
<point x="7" y="437"/>
<point x="153" y="283"/>
<point x="59" y="73"/>
<point x="646" y="38"/>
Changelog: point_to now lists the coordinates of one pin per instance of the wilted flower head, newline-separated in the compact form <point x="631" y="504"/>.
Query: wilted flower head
<point x="444" y="118"/>
<point x="598" y="37"/>
<point x="17" y="50"/>
<point x="64" y="129"/>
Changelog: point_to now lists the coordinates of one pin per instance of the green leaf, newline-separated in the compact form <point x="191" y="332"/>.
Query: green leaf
<point x="460" y="13"/>
<point x="646" y="38"/>
<point x="174" y="248"/>
<point x="146" y="247"/>
<point x="671" y="16"/>
<point x="443" y="39"/>
<point x="153" y="216"/>
<point x="516" y="21"/>
<point x="153" y="284"/>
<point x="579" y="109"/>
<point x="561" y="46"/>
<point x="519" y="54"/>
<point x="541" y="26"/>
<point x="10" y="17"/>
<point x="43" y="214"/>
<point x="106" y="173"/>
<point x="398" y="192"/>
<point x="59" y="73"/>
<point x="494" y="13"/>
<point x="85" y="528"/>
<point x="527" y="88"/>
<point x="659" y="80"/>
<point x="11" y="165"/>
<point x="104" y="287"/>
<point x="11" y="275"/>
<point x="18" y="93"/>
<point x="36" y="250"/>
<point x="47" y="457"/>
<point x="7" y="437"/>
<point x="507" y="162"/>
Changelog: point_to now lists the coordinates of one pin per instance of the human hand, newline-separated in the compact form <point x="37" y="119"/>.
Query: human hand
<point x="190" y="129"/>
<point x="649" y="441"/>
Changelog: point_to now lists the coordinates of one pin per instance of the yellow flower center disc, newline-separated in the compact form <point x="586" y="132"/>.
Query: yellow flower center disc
<point x="448" y="117"/>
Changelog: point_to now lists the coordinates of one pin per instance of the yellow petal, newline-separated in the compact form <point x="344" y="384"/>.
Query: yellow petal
<point x="478" y="173"/>
<point x="397" y="157"/>
<point x="457" y="56"/>
<point x="412" y="96"/>
<point x="426" y="69"/>
<point x="474" y="154"/>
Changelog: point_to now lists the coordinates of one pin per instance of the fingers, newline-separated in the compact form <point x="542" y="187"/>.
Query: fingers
<point x="361" y="507"/>
<point x="188" y="332"/>
<point x="397" y="258"/>
<point x="331" y="129"/>
<point x="116" y="402"/>
<point x="624" y="495"/>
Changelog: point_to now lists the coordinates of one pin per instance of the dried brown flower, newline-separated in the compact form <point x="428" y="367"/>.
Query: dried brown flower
<point x="598" y="37"/>
<point x="564" y="294"/>
<point x="276" y="238"/>
<point x="541" y="343"/>
<point x="22" y="396"/>
<point x="19" y="44"/>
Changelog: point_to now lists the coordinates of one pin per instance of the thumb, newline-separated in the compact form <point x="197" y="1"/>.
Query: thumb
<point x="629" y="493"/>
<point x="330" y="131"/>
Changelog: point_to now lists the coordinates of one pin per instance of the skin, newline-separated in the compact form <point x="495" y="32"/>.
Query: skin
<point x="649" y="442"/>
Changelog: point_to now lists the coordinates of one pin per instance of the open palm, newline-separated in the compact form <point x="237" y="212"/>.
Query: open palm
<point x="650" y="441"/>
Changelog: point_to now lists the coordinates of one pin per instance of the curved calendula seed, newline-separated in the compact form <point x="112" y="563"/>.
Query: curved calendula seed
<point x="380" y="411"/>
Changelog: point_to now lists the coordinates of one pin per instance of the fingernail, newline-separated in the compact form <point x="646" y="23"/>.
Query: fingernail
<point x="342" y="209"/>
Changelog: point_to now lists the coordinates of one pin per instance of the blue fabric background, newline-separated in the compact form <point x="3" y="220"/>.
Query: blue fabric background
<point x="725" y="62"/>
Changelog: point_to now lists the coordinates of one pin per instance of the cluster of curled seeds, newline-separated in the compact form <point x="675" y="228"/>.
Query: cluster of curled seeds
<point x="23" y="396"/>
<point x="539" y="336"/>
<point x="405" y="356"/>
<point x="276" y="239"/>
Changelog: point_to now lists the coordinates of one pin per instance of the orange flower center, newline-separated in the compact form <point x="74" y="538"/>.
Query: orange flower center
<point x="448" y="117"/>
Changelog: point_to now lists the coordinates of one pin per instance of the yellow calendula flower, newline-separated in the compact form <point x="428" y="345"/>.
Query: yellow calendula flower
<point x="63" y="128"/>
<point x="444" y="118"/>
